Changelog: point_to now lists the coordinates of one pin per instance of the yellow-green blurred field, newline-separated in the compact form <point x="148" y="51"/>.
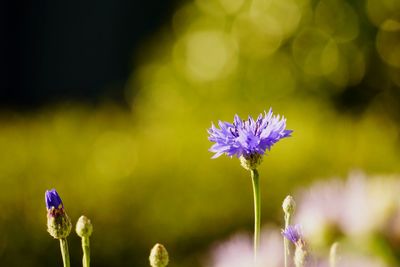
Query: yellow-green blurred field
<point x="143" y="174"/>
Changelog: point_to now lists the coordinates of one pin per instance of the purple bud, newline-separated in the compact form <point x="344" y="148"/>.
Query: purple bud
<point x="58" y="223"/>
<point x="53" y="200"/>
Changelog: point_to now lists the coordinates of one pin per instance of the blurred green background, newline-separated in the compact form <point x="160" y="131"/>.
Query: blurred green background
<point x="142" y="172"/>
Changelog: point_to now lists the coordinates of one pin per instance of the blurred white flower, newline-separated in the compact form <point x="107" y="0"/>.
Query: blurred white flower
<point x="349" y="260"/>
<point x="355" y="207"/>
<point x="237" y="251"/>
<point x="359" y="261"/>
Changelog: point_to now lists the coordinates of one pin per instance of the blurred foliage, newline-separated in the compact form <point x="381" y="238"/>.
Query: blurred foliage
<point x="144" y="175"/>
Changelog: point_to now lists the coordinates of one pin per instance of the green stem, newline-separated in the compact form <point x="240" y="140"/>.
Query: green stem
<point x="257" y="211"/>
<point x="64" y="251"/>
<point x="86" y="251"/>
<point x="285" y="241"/>
<point x="333" y="255"/>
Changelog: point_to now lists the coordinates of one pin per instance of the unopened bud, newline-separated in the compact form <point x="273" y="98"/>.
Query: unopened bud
<point x="289" y="205"/>
<point x="84" y="227"/>
<point x="300" y="255"/>
<point x="158" y="256"/>
<point x="58" y="223"/>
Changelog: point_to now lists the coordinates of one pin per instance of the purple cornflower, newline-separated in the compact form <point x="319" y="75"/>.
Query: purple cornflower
<point x="293" y="233"/>
<point x="247" y="138"/>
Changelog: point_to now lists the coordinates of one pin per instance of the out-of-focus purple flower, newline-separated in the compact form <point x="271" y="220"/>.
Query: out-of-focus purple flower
<point x="247" y="137"/>
<point x="53" y="200"/>
<point x="293" y="233"/>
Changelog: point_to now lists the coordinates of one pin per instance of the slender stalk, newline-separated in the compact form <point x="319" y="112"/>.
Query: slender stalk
<point x="86" y="251"/>
<point x="257" y="211"/>
<point x="64" y="252"/>
<point x="333" y="255"/>
<point x="285" y="241"/>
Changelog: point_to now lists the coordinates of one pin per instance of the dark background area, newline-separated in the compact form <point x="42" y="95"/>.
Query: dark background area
<point x="60" y="51"/>
<point x="72" y="50"/>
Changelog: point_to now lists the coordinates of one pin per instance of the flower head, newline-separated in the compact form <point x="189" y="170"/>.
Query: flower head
<point x="293" y="233"/>
<point x="247" y="138"/>
<point x="289" y="205"/>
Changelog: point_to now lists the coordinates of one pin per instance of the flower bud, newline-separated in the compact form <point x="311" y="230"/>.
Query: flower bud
<point x="289" y="205"/>
<point x="58" y="223"/>
<point x="84" y="227"/>
<point x="158" y="256"/>
<point x="251" y="162"/>
<point x="300" y="255"/>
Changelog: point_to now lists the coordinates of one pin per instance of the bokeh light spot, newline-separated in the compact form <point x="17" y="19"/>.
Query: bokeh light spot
<point x="258" y="35"/>
<point x="231" y="6"/>
<point x="337" y="19"/>
<point x="272" y="78"/>
<point x="388" y="46"/>
<point x="315" y="52"/>
<point x="350" y="67"/>
<point x="329" y="57"/>
<point x="390" y="25"/>
<point x="379" y="11"/>
<point x="210" y="7"/>
<point x="395" y="75"/>
<point x="286" y="13"/>
<point x="209" y="55"/>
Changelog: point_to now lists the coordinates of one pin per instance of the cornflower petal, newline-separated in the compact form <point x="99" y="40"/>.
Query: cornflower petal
<point x="293" y="233"/>
<point x="53" y="200"/>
